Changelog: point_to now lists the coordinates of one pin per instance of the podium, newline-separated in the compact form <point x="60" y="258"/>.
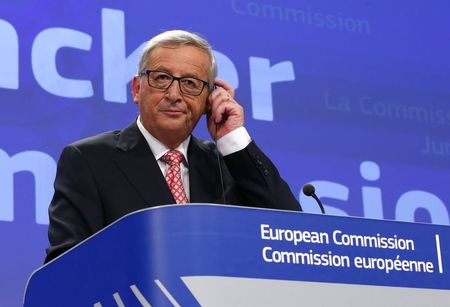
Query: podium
<point x="216" y="255"/>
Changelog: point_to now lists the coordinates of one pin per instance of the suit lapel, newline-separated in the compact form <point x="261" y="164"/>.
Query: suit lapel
<point x="137" y="163"/>
<point x="204" y="180"/>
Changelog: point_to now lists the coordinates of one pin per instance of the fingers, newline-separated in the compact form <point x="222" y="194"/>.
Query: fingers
<point x="224" y="92"/>
<point x="220" y="96"/>
<point x="221" y="103"/>
<point x="225" y="114"/>
<point x="224" y="85"/>
<point x="225" y="111"/>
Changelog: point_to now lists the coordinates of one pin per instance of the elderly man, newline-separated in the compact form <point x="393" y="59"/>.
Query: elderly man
<point x="156" y="160"/>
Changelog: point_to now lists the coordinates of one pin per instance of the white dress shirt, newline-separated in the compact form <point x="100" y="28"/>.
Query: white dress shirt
<point x="234" y="141"/>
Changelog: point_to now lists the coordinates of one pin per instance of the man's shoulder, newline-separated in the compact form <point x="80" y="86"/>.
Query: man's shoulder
<point x="204" y="145"/>
<point x="104" y="139"/>
<point x="126" y="137"/>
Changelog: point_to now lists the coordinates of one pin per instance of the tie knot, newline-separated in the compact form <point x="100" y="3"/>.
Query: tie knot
<point x="172" y="157"/>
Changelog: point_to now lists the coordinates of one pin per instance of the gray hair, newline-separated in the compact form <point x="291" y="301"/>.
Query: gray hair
<point x="179" y="38"/>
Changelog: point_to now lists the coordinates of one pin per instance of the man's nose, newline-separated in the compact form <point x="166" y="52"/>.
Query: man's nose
<point x="173" y="91"/>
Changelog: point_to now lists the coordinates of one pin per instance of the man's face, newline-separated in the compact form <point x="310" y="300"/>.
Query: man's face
<point x="169" y="115"/>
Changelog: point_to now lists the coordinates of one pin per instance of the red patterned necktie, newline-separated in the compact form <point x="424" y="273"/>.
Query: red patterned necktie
<point x="173" y="176"/>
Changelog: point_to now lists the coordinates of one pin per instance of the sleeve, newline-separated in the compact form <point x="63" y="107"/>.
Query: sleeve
<point x="259" y="181"/>
<point x="75" y="211"/>
<point x="234" y="141"/>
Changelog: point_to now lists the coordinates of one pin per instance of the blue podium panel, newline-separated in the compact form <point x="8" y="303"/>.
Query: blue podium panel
<point x="214" y="255"/>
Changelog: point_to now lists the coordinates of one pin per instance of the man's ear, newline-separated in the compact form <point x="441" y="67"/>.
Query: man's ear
<point x="207" y="108"/>
<point x="136" y="87"/>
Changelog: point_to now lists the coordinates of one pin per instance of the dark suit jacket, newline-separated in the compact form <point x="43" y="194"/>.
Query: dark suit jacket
<point x="102" y="178"/>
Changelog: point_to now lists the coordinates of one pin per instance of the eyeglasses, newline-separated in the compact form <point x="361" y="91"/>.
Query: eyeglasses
<point x="162" y="80"/>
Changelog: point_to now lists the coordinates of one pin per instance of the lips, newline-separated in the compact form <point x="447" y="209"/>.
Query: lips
<point x="172" y="111"/>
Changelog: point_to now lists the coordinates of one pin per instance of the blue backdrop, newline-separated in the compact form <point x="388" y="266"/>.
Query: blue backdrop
<point x="354" y="97"/>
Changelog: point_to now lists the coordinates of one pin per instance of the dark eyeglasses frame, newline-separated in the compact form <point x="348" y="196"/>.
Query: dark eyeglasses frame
<point x="147" y="72"/>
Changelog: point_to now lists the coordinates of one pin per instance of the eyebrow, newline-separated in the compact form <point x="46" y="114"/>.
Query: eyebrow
<point x="189" y="75"/>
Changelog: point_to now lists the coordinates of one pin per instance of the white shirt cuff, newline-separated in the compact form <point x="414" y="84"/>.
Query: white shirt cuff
<point x="233" y="141"/>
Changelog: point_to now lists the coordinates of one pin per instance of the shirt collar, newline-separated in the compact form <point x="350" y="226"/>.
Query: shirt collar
<point x="158" y="148"/>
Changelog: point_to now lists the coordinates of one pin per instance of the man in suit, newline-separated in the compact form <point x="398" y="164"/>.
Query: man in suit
<point x="102" y="178"/>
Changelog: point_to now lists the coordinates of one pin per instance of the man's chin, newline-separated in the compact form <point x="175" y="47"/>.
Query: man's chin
<point x="176" y="126"/>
